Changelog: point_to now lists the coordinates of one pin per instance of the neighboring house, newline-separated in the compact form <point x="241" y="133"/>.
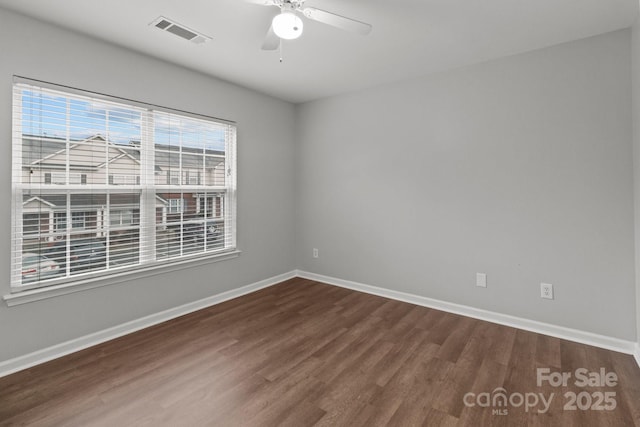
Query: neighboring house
<point x="95" y="162"/>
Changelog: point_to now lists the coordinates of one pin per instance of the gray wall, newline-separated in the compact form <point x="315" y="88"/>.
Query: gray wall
<point x="635" y="79"/>
<point x="520" y="168"/>
<point x="265" y="199"/>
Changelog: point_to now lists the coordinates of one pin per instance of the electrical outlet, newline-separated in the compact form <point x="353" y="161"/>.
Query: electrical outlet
<point x="546" y="290"/>
<point x="315" y="252"/>
<point x="481" y="280"/>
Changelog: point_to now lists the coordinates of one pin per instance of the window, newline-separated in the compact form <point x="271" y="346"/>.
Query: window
<point x="175" y="206"/>
<point x="192" y="178"/>
<point x="101" y="185"/>
<point x="32" y="223"/>
<point x="60" y="221"/>
<point x="210" y="206"/>
<point x="77" y="220"/>
<point x="173" y="177"/>
<point x="122" y="218"/>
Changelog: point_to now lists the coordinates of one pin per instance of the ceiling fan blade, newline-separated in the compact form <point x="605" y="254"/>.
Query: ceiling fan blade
<point x="337" y="21"/>
<point x="271" y="41"/>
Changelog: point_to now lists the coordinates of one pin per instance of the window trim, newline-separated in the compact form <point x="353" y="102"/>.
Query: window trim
<point x="59" y="222"/>
<point x="126" y="275"/>
<point x="17" y="79"/>
<point x="80" y="218"/>
<point x="176" y="206"/>
<point x="120" y="213"/>
<point x="21" y="294"/>
<point x="173" y="177"/>
<point x="61" y="217"/>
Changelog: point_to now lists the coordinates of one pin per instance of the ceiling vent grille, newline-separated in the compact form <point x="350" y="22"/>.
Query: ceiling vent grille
<point x="179" y="30"/>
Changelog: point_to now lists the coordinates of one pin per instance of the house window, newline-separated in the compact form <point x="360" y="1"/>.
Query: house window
<point x="78" y="221"/>
<point x="122" y="218"/>
<point x="176" y="206"/>
<point x="193" y="178"/>
<point x="210" y="206"/>
<point x="31" y="223"/>
<point x="173" y="177"/>
<point x="60" y="221"/>
<point x="110" y="181"/>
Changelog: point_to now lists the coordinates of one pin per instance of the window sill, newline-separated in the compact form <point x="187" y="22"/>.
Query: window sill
<point x="28" y="296"/>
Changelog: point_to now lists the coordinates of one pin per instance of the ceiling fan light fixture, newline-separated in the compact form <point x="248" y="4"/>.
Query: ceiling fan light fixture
<point x="287" y="25"/>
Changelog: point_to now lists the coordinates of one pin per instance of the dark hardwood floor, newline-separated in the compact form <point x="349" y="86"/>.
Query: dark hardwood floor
<point x="303" y="353"/>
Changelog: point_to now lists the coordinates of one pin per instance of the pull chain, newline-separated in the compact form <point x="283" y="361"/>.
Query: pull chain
<point x="280" y="47"/>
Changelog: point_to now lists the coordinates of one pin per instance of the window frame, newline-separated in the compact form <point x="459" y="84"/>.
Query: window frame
<point x="78" y="220"/>
<point x="59" y="221"/>
<point x="147" y="193"/>
<point x="176" y="206"/>
<point x="120" y="214"/>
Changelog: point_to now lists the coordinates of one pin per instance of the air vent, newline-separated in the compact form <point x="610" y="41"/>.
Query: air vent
<point x="179" y="30"/>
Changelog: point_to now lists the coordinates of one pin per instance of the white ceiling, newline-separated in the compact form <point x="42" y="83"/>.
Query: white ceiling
<point x="409" y="38"/>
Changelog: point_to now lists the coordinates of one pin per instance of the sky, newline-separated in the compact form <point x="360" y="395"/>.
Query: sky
<point x="48" y="113"/>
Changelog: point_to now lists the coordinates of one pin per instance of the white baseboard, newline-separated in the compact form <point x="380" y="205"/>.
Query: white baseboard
<point x="610" y="343"/>
<point x="23" y="362"/>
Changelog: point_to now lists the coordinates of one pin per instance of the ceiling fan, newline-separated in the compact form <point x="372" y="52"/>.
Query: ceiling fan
<point x="288" y="25"/>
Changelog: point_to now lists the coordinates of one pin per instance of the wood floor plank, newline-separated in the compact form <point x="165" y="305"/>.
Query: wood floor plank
<point x="548" y="351"/>
<point x="454" y="344"/>
<point x="349" y="404"/>
<point x="490" y="378"/>
<point x="303" y="353"/>
<point x="415" y="408"/>
<point x="405" y="384"/>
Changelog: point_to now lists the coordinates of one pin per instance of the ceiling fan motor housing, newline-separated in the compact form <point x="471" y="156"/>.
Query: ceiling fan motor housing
<point x="287" y="25"/>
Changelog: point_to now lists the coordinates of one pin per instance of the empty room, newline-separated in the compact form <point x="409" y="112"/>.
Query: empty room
<point x="320" y="213"/>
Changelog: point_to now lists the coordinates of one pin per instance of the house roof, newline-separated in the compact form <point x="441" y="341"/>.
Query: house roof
<point x="40" y="151"/>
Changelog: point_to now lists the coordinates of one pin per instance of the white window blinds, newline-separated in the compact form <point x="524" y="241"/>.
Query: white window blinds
<point x="103" y="185"/>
